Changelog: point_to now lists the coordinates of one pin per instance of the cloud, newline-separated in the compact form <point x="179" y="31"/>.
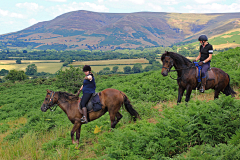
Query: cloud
<point x="11" y="14"/>
<point x="29" y="6"/>
<point x="213" y="8"/>
<point x="170" y="2"/>
<point x="3" y="13"/>
<point x="32" y="21"/>
<point x="57" y="0"/>
<point x="74" y="6"/>
<point x="140" y="2"/>
<point x="155" y="7"/>
<point x="207" y="2"/>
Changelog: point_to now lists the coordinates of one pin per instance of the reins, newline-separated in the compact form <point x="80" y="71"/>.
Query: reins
<point x="168" y="69"/>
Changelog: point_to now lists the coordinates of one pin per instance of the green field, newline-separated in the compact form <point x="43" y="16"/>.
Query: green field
<point x="50" y="66"/>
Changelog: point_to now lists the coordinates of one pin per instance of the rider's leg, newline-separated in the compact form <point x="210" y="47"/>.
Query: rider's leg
<point x="205" y="67"/>
<point x="84" y="101"/>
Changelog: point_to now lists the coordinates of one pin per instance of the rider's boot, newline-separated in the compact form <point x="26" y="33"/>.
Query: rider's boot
<point x="84" y="118"/>
<point x="202" y="89"/>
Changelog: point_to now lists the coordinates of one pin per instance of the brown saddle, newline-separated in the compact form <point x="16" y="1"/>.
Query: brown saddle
<point x="209" y="74"/>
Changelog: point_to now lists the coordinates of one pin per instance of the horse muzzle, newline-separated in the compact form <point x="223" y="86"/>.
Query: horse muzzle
<point x="44" y="108"/>
<point x="164" y="73"/>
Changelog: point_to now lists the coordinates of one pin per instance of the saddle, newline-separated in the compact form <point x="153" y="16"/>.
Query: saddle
<point x="93" y="104"/>
<point x="209" y="74"/>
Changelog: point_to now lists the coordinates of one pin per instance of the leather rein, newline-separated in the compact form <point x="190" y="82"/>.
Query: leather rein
<point x="169" y="69"/>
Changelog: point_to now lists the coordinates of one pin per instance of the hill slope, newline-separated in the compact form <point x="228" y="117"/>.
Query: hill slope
<point x="105" y="31"/>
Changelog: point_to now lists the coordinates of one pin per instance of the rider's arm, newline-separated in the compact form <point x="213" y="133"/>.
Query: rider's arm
<point x="208" y="59"/>
<point x="199" y="56"/>
<point x="89" y="77"/>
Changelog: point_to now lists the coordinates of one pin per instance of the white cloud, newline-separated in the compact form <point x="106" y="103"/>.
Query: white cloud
<point x="140" y="2"/>
<point x="29" y="6"/>
<point x="213" y="8"/>
<point x="155" y="7"/>
<point x="74" y="6"/>
<point x="3" y="13"/>
<point x="32" y="21"/>
<point x="170" y="2"/>
<point x="11" y="14"/>
<point x="57" y="0"/>
<point x="208" y="1"/>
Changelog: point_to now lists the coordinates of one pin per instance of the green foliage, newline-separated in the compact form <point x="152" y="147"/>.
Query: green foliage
<point x="127" y="69"/>
<point x="15" y="75"/>
<point x="31" y="69"/>
<point x="137" y="68"/>
<point x="181" y="127"/>
<point x="70" y="79"/>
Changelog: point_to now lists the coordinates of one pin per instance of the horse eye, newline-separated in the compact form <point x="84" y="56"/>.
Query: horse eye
<point x="46" y="98"/>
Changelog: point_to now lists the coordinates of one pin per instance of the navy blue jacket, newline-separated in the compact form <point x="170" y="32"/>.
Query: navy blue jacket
<point x="89" y="86"/>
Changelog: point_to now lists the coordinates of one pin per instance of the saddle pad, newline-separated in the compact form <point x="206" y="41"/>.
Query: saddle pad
<point x="94" y="103"/>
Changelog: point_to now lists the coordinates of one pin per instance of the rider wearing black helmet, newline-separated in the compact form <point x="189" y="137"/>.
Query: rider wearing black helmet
<point x="205" y="56"/>
<point x="88" y="89"/>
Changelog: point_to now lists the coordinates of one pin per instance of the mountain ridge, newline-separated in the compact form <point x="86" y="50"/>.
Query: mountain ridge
<point x="106" y="31"/>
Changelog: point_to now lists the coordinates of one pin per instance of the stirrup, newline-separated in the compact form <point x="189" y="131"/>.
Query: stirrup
<point x="83" y="120"/>
<point x="201" y="89"/>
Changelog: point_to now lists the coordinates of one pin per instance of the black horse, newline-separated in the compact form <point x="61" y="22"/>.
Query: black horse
<point x="187" y="76"/>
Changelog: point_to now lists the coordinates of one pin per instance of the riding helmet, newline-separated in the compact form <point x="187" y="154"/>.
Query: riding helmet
<point x="86" y="68"/>
<point x="203" y="38"/>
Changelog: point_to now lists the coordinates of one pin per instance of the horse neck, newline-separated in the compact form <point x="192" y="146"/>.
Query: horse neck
<point x="62" y="103"/>
<point x="181" y="68"/>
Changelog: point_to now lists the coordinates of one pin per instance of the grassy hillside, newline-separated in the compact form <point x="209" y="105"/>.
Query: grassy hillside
<point x="200" y="129"/>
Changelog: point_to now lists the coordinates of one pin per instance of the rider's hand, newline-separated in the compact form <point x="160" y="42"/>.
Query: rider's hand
<point x="81" y="87"/>
<point x="200" y="63"/>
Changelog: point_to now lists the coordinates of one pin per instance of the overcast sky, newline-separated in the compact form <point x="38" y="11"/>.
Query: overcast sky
<point x="16" y="15"/>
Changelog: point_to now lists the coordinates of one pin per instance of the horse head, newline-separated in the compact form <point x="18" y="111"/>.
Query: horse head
<point x="49" y="101"/>
<point x="167" y="63"/>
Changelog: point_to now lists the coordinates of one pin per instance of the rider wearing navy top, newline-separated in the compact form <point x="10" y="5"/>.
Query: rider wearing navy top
<point x="205" y="56"/>
<point x="88" y="89"/>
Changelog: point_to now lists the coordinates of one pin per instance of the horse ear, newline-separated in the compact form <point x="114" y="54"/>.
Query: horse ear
<point x="48" y="91"/>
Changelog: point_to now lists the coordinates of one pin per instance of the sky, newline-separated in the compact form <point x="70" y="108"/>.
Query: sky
<point x="16" y="15"/>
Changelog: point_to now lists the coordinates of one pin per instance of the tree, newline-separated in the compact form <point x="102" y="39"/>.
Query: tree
<point x="137" y="68"/>
<point x="3" y="72"/>
<point x="114" y="69"/>
<point x="106" y="69"/>
<point x="15" y="75"/>
<point x="18" y="61"/>
<point x="70" y="79"/>
<point x="127" y="69"/>
<point x="31" y="69"/>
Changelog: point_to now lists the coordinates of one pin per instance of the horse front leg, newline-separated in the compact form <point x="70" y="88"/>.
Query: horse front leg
<point x="77" y="124"/>
<point x="78" y="134"/>
<point x="180" y="94"/>
<point x="188" y="94"/>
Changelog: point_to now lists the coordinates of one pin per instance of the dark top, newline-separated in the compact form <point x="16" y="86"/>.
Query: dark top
<point x="208" y="49"/>
<point x="89" y="86"/>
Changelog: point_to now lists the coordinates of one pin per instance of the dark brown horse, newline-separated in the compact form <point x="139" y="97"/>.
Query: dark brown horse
<point x="111" y="100"/>
<point x="187" y="76"/>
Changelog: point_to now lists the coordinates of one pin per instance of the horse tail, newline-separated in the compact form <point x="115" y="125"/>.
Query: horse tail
<point x="129" y="107"/>
<point x="228" y="90"/>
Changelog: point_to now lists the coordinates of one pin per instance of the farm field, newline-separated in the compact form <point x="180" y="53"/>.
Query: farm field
<point x="98" y="68"/>
<point x="111" y="62"/>
<point x="50" y="66"/>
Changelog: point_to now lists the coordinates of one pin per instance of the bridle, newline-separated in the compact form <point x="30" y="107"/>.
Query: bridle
<point x="169" y="69"/>
<point x="50" y="104"/>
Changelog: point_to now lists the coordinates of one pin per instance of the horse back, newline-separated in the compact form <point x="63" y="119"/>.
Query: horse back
<point x="110" y="97"/>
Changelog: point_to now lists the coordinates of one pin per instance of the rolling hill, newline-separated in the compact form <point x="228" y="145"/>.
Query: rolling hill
<point x="107" y="31"/>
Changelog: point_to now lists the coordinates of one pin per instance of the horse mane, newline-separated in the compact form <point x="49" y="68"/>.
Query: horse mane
<point x="179" y="59"/>
<point x="68" y="96"/>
